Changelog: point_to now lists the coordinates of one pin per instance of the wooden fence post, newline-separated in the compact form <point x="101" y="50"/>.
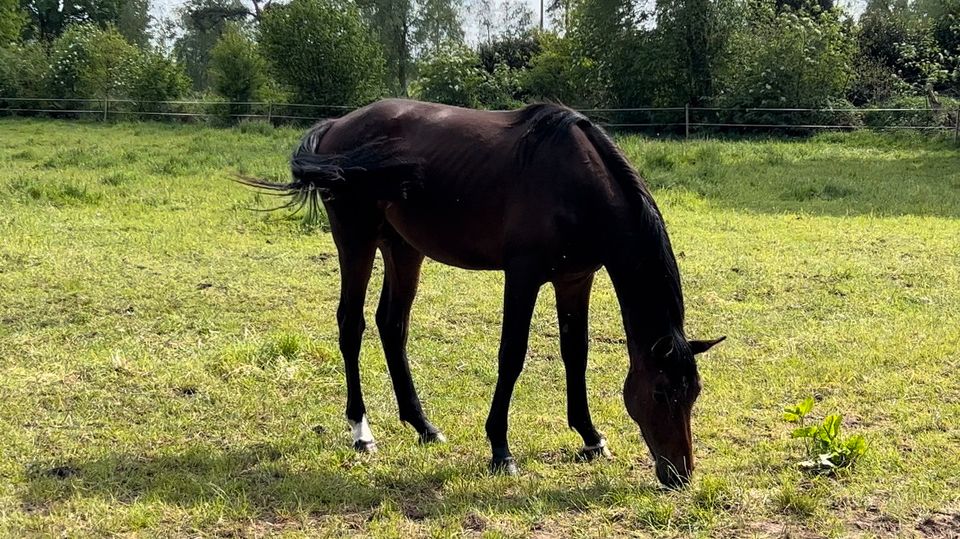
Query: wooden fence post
<point x="106" y="102"/>
<point x="686" y="120"/>
<point x="269" y="112"/>
<point x="956" y="126"/>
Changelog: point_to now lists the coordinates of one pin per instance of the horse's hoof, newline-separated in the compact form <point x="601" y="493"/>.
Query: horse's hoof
<point x="504" y="466"/>
<point x="365" y="446"/>
<point x="435" y="437"/>
<point x="593" y="452"/>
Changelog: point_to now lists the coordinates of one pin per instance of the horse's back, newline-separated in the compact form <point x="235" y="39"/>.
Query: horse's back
<point x="483" y="201"/>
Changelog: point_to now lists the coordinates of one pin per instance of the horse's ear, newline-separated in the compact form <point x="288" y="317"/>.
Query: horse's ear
<point x="699" y="347"/>
<point x="663" y="347"/>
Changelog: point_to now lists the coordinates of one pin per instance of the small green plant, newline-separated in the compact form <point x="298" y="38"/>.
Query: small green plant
<point x="827" y="450"/>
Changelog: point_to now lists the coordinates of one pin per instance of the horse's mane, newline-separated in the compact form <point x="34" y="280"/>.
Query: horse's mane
<point x="547" y="122"/>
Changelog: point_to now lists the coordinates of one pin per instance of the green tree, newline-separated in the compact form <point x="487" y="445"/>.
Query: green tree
<point x="437" y="22"/>
<point x="50" y="18"/>
<point x="237" y="71"/>
<point x="451" y="75"/>
<point x="203" y="22"/>
<point x="559" y="73"/>
<point x="12" y="21"/>
<point x="90" y="62"/>
<point x="791" y="60"/>
<point x="693" y="38"/>
<point x="392" y="21"/>
<point x="156" y="77"/>
<point x="24" y="69"/>
<point x="323" y="51"/>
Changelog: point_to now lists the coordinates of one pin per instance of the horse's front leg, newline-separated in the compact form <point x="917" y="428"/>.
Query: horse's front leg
<point x="573" y="305"/>
<point x="519" y="298"/>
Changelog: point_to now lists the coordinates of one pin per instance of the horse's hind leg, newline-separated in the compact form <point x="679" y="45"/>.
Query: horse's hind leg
<point x="573" y="303"/>
<point x="357" y="247"/>
<point x="401" y="275"/>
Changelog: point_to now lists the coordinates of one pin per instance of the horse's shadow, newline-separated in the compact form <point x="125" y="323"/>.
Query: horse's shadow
<point x="258" y="479"/>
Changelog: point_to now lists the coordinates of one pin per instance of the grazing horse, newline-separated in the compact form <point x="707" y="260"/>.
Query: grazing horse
<point x="543" y="195"/>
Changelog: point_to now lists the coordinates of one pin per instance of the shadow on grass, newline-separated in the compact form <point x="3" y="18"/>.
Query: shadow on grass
<point x="258" y="480"/>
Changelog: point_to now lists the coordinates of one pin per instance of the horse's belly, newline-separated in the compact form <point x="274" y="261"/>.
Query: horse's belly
<point x="450" y="233"/>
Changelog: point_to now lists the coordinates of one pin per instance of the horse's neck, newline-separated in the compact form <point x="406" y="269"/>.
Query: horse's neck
<point x="650" y="298"/>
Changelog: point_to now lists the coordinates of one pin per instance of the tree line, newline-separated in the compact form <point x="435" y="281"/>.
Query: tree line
<point x="594" y="53"/>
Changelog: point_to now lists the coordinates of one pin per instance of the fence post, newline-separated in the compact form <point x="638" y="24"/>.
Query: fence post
<point x="269" y="112"/>
<point x="956" y="127"/>
<point x="686" y="120"/>
<point x="106" y="104"/>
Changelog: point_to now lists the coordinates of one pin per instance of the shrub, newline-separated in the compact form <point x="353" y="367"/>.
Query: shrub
<point x="155" y="77"/>
<point x="514" y="52"/>
<point x="323" y="51"/>
<point x="12" y="21"/>
<point x="558" y="73"/>
<point x="451" y="75"/>
<point x="90" y="62"/>
<point x="943" y="117"/>
<point x="237" y="70"/>
<point x="790" y="60"/>
<point x="23" y="71"/>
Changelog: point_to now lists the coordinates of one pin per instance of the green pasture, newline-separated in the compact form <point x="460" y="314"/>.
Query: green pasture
<point x="169" y="366"/>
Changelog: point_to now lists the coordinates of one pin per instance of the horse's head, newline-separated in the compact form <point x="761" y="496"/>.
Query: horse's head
<point x="659" y="393"/>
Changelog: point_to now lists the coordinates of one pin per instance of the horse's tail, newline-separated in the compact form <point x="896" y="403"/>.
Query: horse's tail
<point x="375" y="170"/>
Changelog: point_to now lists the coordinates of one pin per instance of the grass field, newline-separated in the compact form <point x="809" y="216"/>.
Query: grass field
<point x="168" y="359"/>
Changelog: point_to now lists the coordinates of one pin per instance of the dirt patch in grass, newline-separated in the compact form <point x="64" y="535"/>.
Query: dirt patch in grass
<point x="941" y="525"/>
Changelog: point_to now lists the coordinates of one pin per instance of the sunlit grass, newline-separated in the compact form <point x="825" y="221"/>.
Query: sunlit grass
<point x="168" y="358"/>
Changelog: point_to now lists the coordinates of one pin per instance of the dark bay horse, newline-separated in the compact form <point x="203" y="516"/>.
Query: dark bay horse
<point x="541" y="194"/>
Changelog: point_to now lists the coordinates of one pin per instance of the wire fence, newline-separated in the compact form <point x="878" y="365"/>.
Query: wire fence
<point x="667" y="120"/>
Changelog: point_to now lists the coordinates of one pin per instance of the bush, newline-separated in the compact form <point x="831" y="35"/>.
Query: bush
<point x="237" y="70"/>
<point x="23" y="71"/>
<point x="500" y="90"/>
<point x="12" y="21"/>
<point x="558" y="73"/>
<point x="155" y="77"/>
<point x="514" y="52"/>
<point x="451" y="75"/>
<point x="323" y="51"/>
<point x="92" y="63"/>
<point x="926" y="118"/>
<point x="791" y="60"/>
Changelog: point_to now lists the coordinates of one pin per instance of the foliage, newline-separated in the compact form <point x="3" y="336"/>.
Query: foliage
<point x="693" y="47"/>
<point x="156" y="77"/>
<point x="792" y="59"/>
<point x="49" y="19"/>
<point x="452" y="75"/>
<point x="499" y="90"/>
<point x="323" y="51"/>
<point x="922" y="115"/>
<point x="203" y="22"/>
<point x="514" y="52"/>
<point x="89" y="62"/>
<point x="392" y="21"/>
<point x="24" y="70"/>
<point x="437" y="22"/>
<point x="237" y="71"/>
<point x="12" y="21"/>
<point x="827" y="450"/>
<point x="559" y="73"/>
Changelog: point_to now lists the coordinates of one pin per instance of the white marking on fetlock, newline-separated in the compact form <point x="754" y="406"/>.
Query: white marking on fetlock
<point x="600" y="445"/>
<point x="360" y="430"/>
